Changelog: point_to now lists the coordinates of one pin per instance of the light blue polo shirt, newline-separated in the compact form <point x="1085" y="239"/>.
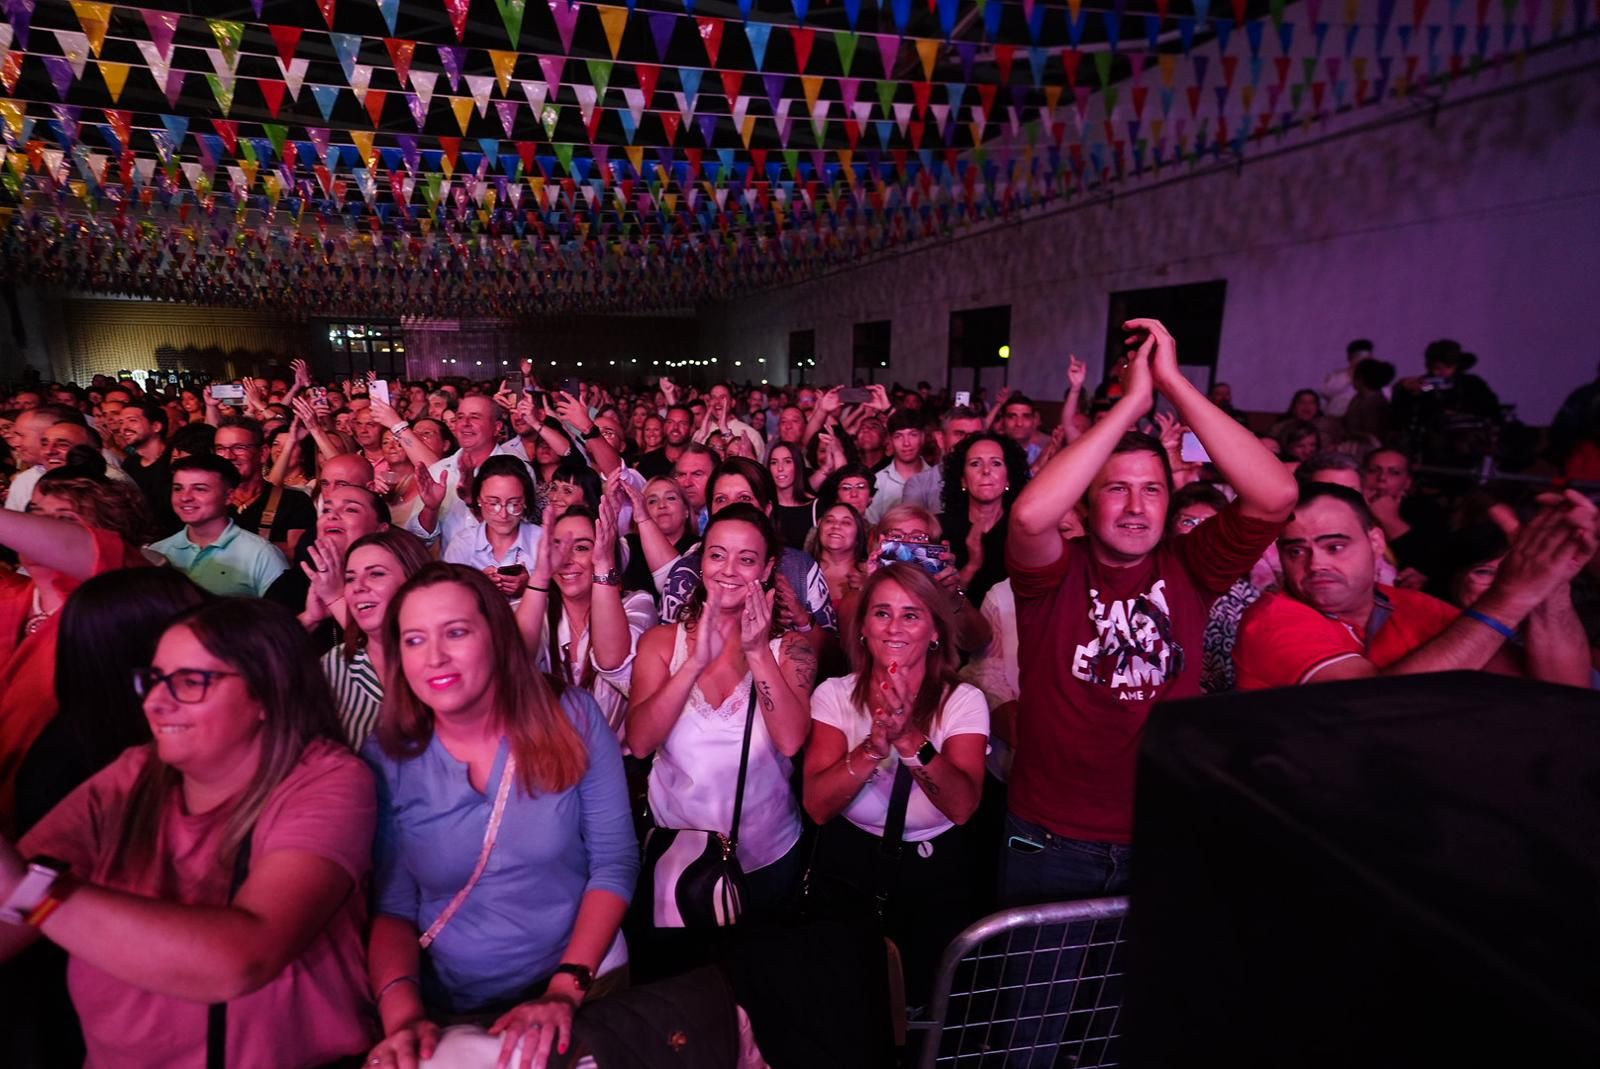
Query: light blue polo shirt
<point x="237" y="565"/>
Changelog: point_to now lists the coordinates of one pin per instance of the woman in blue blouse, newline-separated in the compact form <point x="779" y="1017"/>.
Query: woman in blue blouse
<point x="492" y="786"/>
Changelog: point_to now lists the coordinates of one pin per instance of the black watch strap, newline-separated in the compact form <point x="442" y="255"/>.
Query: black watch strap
<point x="926" y="752"/>
<point x="592" y="433"/>
<point x="581" y="975"/>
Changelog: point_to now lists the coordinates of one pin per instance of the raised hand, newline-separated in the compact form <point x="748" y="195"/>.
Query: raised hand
<point x="792" y="612"/>
<point x="384" y="413"/>
<point x="1164" y="351"/>
<point x="326" y="571"/>
<point x="571" y="410"/>
<point x="431" y="490"/>
<point x="506" y="397"/>
<point x="829" y="402"/>
<point x="1138" y="380"/>
<point x="302" y="374"/>
<point x="605" y="534"/>
<point x="880" y="397"/>
<point x="1077" y="372"/>
<point x="544" y="564"/>
<point x="1170" y="432"/>
<point x="755" y="621"/>
<point x="709" y="640"/>
<point x="304" y="411"/>
<point x="464" y="470"/>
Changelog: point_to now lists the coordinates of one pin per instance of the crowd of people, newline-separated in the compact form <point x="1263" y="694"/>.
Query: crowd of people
<point x="336" y="714"/>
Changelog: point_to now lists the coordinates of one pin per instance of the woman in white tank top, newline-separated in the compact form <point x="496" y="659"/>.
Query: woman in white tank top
<point x="691" y="687"/>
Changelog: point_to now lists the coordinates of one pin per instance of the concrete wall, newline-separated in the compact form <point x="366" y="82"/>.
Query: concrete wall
<point x="1482" y="225"/>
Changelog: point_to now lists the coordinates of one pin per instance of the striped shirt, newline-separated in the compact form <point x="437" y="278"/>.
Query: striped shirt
<point x="357" y="691"/>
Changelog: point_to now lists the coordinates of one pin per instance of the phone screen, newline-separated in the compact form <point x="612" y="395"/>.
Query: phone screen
<point x="228" y="393"/>
<point x="855" y="395"/>
<point x="927" y="555"/>
<point x="963" y="398"/>
<point x="514" y="381"/>
<point x="1193" y="452"/>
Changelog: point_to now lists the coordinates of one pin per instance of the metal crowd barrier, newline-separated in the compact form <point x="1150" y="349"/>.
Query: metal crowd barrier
<point x="1030" y="988"/>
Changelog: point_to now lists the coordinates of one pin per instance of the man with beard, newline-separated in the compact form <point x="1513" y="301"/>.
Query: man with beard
<point x="142" y="430"/>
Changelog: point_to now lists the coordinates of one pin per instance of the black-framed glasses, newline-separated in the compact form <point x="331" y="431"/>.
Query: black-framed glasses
<point x="186" y="685"/>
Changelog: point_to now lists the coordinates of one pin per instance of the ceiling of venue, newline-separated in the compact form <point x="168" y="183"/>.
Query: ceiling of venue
<point x="446" y="157"/>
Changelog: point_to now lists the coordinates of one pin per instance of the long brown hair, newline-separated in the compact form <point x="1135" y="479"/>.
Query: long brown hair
<point x="274" y="657"/>
<point x="939" y="675"/>
<point x="554" y="607"/>
<point x="407" y="550"/>
<point x="550" y="753"/>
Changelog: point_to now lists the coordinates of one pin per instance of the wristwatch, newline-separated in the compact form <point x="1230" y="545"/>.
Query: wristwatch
<point x="611" y="578"/>
<point x="582" y="975"/>
<point x="32" y="890"/>
<point x="924" y="755"/>
<point x="592" y="433"/>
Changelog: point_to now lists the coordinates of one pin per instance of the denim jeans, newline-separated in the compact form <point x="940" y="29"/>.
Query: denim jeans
<point x="1038" y="1013"/>
<point x="1037" y="865"/>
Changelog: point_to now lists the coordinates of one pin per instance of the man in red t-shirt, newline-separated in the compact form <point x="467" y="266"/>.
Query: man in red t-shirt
<point x="1109" y="624"/>
<point x="1334" y="622"/>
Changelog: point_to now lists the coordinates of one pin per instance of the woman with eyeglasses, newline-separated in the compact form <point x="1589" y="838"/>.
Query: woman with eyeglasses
<point x="506" y="854"/>
<point x="220" y="864"/>
<point x="375" y="566"/>
<point x="583" y="628"/>
<point x="78" y="525"/>
<point x="903" y="715"/>
<point x="504" y="541"/>
<point x="851" y="484"/>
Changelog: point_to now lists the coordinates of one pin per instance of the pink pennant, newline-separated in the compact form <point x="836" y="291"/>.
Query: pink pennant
<point x="161" y="25"/>
<point x="551" y="66"/>
<point x="507" y="110"/>
<point x="174" y="87"/>
<point x="566" y="16"/>
<point x="889" y="49"/>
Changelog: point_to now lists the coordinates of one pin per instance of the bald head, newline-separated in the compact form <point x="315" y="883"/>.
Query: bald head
<point x="58" y="440"/>
<point x="346" y="469"/>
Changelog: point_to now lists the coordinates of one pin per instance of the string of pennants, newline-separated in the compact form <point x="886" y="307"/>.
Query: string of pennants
<point x="676" y="182"/>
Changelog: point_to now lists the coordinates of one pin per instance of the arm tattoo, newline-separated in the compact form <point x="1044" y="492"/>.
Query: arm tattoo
<point x="765" y="691"/>
<point x="798" y="654"/>
<point x="921" y="775"/>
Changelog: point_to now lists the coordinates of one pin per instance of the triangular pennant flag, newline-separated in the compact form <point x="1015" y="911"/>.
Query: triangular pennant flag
<point x="423" y="82"/>
<point x="535" y="91"/>
<point x="888" y="50"/>
<point x="511" y="12"/>
<point x="174" y="88"/>
<point x="649" y="75"/>
<point x="481" y="86"/>
<point x="599" y="74"/>
<point x="457" y="10"/>
<point x="507" y="110"/>
<point x="388" y="9"/>
<point x="95" y="20"/>
<point x="451" y="57"/>
<point x="363" y="143"/>
<point x="161" y="25"/>
<point x="327" y="8"/>
<point x="462" y="106"/>
<point x="661" y="26"/>
<point x="759" y="34"/>
<point x="287" y="38"/>
<point x="222" y="91"/>
<point x="505" y="64"/>
<point x="293" y="75"/>
<point x="566" y="16"/>
<point x="326" y="97"/>
<point x="614" y="20"/>
<point x="219" y="63"/>
<point x="401" y="53"/>
<point x="846" y="44"/>
<point x="551" y="66"/>
<point x="711" y="34"/>
<point x="549" y="117"/>
<point x="928" y="49"/>
<point x="74" y="46"/>
<point x="346" y="46"/>
<point x="116" y="76"/>
<point x="803" y="37"/>
<point x="228" y="34"/>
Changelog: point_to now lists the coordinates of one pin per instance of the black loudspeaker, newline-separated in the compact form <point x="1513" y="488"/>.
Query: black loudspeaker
<point x="1395" y="872"/>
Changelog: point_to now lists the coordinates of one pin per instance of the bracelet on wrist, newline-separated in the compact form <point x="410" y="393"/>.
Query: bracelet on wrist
<point x="1490" y="622"/>
<point x="386" y="988"/>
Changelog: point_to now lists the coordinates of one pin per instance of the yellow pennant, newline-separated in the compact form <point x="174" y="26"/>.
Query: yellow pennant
<point x="11" y="114"/>
<point x="615" y="20"/>
<point x="363" y="140"/>
<point x="928" y="49"/>
<point x="1052" y="96"/>
<point x="1169" y="68"/>
<point x="749" y="129"/>
<point x="95" y="19"/>
<point x="462" y="106"/>
<point x="636" y="157"/>
<point x="813" y="90"/>
<point x="504" y="64"/>
<point x="116" y="76"/>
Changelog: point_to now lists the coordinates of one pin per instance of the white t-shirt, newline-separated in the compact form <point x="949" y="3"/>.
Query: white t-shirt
<point x="965" y="712"/>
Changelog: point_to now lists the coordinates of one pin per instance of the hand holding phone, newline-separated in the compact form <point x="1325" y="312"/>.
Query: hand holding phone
<point x="963" y="398"/>
<point x="855" y="395"/>
<point x="929" y="556"/>
<point x="227" y="393"/>
<point x="378" y="390"/>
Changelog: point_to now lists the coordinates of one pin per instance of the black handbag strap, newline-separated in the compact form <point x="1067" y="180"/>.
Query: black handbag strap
<point x="894" y="822"/>
<point x="217" y="1012"/>
<point x="744" y="765"/>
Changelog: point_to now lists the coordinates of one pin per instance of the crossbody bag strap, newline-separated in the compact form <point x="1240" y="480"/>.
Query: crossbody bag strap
<point x="217" y="1012"/>
<point x="744" y="766"/>
<point x="507" y="776"/>
<point x="270" y="513"/>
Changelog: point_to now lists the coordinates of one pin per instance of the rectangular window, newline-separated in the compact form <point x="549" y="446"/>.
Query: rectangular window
<point x="356" y="348"/>
<point x="802" y="354"/>
<point x="870" y="351"/>
<point x="1193" y="313"/>
<point x="980" y="351"/>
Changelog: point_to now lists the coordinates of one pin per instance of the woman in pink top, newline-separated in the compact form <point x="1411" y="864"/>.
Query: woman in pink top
<point x="221" y="863"/>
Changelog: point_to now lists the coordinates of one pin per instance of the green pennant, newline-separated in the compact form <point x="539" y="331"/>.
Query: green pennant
<point x="846" y="43"/>
<point x="223" y="93"/>
<point x="791" y="158"/>
<point x="1277" y="13"/>
<point x="247" y="150"/>
<point x="550" y="116"/>
<point x="886" y="96"/>
<point x="228" y="35"/>
<point x="564" y="154"/>
<point x="1295" y="93"/>
<point x="600" y="75"/>
<point x="435" y="182"/>
<point x="1102" y="67"/>
<point x="277" y="134"/>
<point x="1111" y="95"/>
